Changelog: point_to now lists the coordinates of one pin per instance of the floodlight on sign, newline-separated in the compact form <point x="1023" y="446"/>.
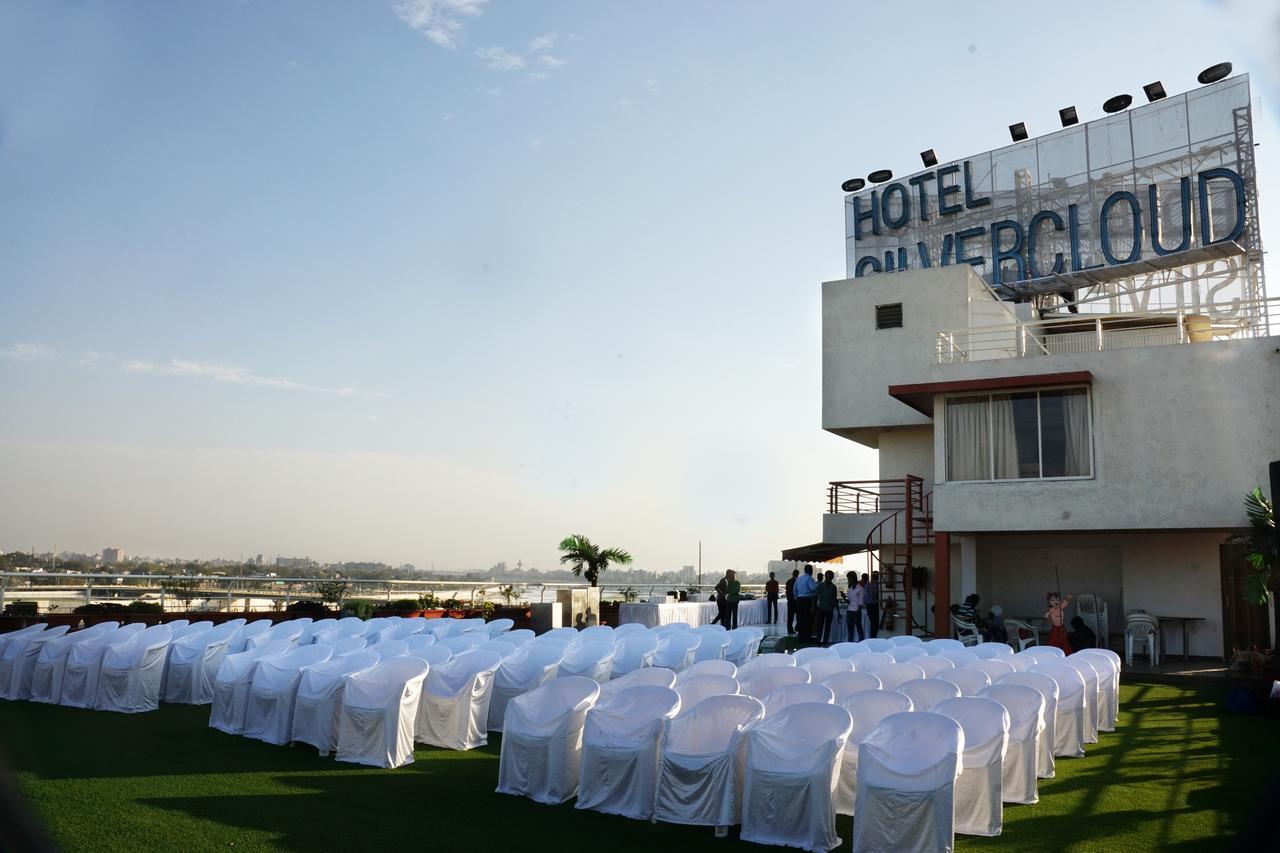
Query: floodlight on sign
<point x="929" y="158"/>
<point x="1068" y="116"/>
<point x="1214" y="73"/>
<point x="1116" y="104"/>
<point x="853" y="185"/>
<point x="1018" y="131"/>
<point x="879" y="176"/>
<point x="1155" y="91"/>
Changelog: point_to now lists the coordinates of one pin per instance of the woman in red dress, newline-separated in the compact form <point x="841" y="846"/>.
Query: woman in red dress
<point x="1057" y="633"/>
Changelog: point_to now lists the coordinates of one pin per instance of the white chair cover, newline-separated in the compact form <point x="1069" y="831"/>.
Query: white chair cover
<point x="963" y="657"/>
<point x="694" y="690"/>
<point x="992" y="650"/>
<point x="628" y="628"/>
<point x="433" y="653"/>
<point x="926" y="693"/>
<point x="391" y="648"/>
<point x="459" y="643"/>
<point x="676" y="650"/>
<point x="18" y="659"/>
<point x="943" y="644"/>
<point x="500" y="648"/>
<point x="542" y="739"/>
<point x="1093" y="689"/>
<point x="318" y="626"/>
<point x="633" y="651"/>
<point x="871" y="661"/>
<point x="9" y="637"/>
<point x="454" y="710"/>
<point x="84" y="665"/>
<point x="845" y="684"/>
<point x="596" y="633"/>
<point x="51" y="663"/>
<point x="759" y="663"/>
<point x="891" y="675"/>
<point x="969" y="679"/>
<point x="1073" y="704"/>
<point x="906" y="640"/>
<point x="1043" y="652"/>
<point x="247" y="633"/>
<point x="812" y="653"/>
<point x="908" y="654"/>
<point x="1048" y="690"/>
<point x="743" y="645"/>
<point x="273" y="692"/>
<point x="194" y="662"/>
<point x="521" y="636"/>
<point x="867" y="708"/>
<point x="761" y="684"/>
<point x="847" y="649"/>
<point x="589" y="660"/>
<point x="711" y="646"/>
<point x="877" y="644"/>
<point x="620" y="744"/>
<point x="907" y="769"/>
<point x="407" y="628"/>
<point x="994" y="667"/>
<point x="129" y="682"/>
<point x="347" y="626"/>
<point x="700" y="773"/>
<point x="350" y="645"/>
<point x="1026" y="723"/>
<point x="933" y="664"/>
<point x="707" y="667"/>
<point x="379" y="706"/>
<point x="796" y="694"/>
<point x="318" y="699"/>
<point x="231" y="686"/>
<point x="650" y="676"/>
<point x="672" y="628"/>
<point x="518" y="674"/>
<point x="979" y="802"/>
<point x="792" y="767"/>
<point x="822" y="667"/>
<point x="1110" y="680"/>
<point x="566" y="633"/>
<point x="499" y="627"/>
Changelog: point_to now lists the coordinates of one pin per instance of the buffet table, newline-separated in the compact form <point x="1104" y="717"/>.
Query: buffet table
<point x="697" y="613"/>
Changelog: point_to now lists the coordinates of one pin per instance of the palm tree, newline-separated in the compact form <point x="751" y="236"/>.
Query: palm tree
<point x="589" y="560"/>
<point x="1261" y="541"/>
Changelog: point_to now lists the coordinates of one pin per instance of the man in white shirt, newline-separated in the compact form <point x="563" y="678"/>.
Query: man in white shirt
<point x="805" y="589"/>
<point x="857" y="599"/>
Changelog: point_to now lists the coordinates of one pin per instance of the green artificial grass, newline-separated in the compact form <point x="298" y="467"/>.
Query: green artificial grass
<point x="1179" y="773"/>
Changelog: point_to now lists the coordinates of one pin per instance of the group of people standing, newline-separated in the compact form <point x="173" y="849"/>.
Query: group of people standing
<point x="812" y="602"/>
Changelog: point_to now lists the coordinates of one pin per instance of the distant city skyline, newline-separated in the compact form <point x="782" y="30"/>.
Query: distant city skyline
<point x="444" y="281"/>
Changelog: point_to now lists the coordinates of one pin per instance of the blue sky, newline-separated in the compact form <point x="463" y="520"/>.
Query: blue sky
<point x="442" y="282"/>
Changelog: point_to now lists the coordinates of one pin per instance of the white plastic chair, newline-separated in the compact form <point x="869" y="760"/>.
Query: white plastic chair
<point x="18" y="661"/>
<point x="926" y="693"/>
<point x="969" y="679"/>
<point x="694" y="690"/>
<point x="1048" y="690"/>
<point x="1024" y="634"/>
<point x="194" y="662"/>
<point x="231" y="686"/>
<point x="761" y="684"/>
<point x="845" y="684"/>
<point x="1110" y="680"/>
<point x="589" y="660"/>
<point x="933" y="664"/>
<point x="454" y="710"/>
<point x="908" y="654"/>
<point x="1026" y="724"/>
<point x="650" y="676"/>
<point x="527" y="670"/>
<point x="867" y="708"/>
<point x="820" y="668"/>
<point x="1073" y="704"/>
<point x="700" y="776"/>
<point x="318" y="699"/>
<point x="1141" y="631"/>
<point x="273" y="692"/>
<point x="812" y="653"/>
<point x="891" y="675"/>
<point x="620" y="745"/>
<point x="676" y="650"/>
<point x="796" y="694"/>
<point x="379" y="706"/>
<point x="84" y="665"/>
<point x="51" y="663"/>
<point x="1093" y="610"/>
<point x="707" y="667"/>
<point x="1093" y="687"/>
<point x="979" y="801"/>
<point x="633" y="651"/>
<point x="711" y="645"/>
<point x="792" y="766"/>
<point x="907" y="769"/>
<point x="129" y="682"/>
<point x="992" y="650"/>
<point x="542" y="740"/>
<point x="744" y="642"/>
<point x="966" y="632"/>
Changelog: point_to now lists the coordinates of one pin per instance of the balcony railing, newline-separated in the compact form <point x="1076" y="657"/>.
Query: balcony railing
<point x="865" y="496"/>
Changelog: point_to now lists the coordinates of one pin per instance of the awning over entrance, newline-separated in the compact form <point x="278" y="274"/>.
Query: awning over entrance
<point x="920" y="396"/>
<point x="821" y="552"/>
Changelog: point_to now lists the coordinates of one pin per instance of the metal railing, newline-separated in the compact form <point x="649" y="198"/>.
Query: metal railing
<point x="863" y="496"/>
<point x="1079" y="333"/>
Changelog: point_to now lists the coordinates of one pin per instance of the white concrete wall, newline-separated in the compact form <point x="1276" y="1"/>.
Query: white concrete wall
<point x="907" y="450"/>
<point x="1166" y="574"/>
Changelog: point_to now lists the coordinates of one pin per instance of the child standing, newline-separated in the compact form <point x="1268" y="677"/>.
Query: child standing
<point x="1057" y="633"/>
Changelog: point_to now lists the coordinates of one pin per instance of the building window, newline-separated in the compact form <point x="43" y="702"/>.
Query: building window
<point x="1025" y="435"/>
<point x="889" y="316"/>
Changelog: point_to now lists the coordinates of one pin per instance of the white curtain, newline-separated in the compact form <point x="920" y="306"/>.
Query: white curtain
<point x="1004" y="437"/>
<point x="968" y="439"/>
<point x="1075" y="417"/>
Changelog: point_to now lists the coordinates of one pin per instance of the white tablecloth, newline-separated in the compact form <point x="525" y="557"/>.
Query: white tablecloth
<point x="697" y="613"/>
